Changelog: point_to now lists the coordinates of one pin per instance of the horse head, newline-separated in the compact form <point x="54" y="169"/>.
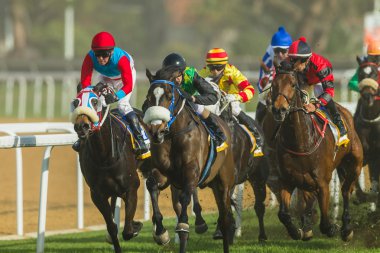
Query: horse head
<point x="368" y="81"/>
<point x="284" y="87"/>
<point x="87" y="109"/>
<point x="162" y="102"/>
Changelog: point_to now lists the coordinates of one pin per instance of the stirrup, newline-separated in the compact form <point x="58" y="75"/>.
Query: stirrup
<point x="343" y="140"/>
<point x="222" y="147"/>
<point x="144" y="155"/>
<point x="258" y="152"/>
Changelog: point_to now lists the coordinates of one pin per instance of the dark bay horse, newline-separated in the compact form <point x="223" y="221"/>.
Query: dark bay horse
<point x="248" y="168"/>
<point x="107" y="161"/>
<point x="367" y="119"/>
<point x="180" y="151"/>
<point x="307" y="156"/>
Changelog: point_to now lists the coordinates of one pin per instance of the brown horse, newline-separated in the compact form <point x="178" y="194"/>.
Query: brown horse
<point x="307" y="155"/>
<point x="180" y="151"/>
<point x="248" y="168"/>
<point x="107" y="161"/>
<point x="367" y="120"/>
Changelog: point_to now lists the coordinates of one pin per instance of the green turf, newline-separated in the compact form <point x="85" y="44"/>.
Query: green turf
<point x="278" y="240"/>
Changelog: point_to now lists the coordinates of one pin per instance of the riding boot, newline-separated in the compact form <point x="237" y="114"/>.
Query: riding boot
<point x="250" y="124"/>
<point x="142" y="150"/>
<point x="220" y="137"/>
<point x="76" y="146"/>
<point x="337" y="120"/>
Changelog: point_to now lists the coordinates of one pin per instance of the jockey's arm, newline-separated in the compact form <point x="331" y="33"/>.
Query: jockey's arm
<point x="86" y="72"/>
<point x="353" y="84"/>
<point x="207" y="94"/>
<point x="125" y="69"/>
<point x="246" y="90"/>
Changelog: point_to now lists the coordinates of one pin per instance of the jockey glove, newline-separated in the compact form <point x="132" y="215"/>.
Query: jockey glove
<point x="110" y="98"/>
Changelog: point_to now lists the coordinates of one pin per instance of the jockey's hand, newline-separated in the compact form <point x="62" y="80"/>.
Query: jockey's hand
<point x="110" y="98"/>
<point x="310" y="107"/>
<point x="232" y="97"/>
<point x="187" y="96"/>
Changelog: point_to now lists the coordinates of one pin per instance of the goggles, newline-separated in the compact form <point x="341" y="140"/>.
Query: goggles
<point x="278" y="50"/>
<point x="294" y="60"/>
<point x="217" y="67"/>
<point x="103" y="53"/>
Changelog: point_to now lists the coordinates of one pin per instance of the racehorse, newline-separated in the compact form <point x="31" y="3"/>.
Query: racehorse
<point x="367" y="119"/>
<point x="107" y="160"/>
<point x="181" y="151"/>
<point x="247" y="166"/>
<point x="307" y="155"/>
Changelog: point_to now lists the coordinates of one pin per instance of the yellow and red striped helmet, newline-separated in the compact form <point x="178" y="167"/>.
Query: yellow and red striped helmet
<point x="217" y="56"/>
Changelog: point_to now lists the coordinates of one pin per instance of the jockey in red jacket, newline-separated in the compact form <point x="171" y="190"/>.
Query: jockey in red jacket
<point x="317" y="71"/>
<point x="114" y="67"/>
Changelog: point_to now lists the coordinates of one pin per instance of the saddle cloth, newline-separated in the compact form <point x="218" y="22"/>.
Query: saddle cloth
<point x="322" y="116"/>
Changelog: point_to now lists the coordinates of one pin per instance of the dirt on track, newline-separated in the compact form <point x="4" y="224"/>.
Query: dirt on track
<point x="62" y="193"/>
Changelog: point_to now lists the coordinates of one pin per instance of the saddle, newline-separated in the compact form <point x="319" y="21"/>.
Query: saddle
<point x="322" y="116"/>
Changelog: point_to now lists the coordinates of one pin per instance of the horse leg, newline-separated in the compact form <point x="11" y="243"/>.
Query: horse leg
<point x="160" y="234"/>
<point x="307" y="215"/>
<point x="226" y="222"/>
<point x="284" y="215"/>
<point x="350" y="172"/>
<point x="113" y="205"/>
<point x="324" y="201"/>
<point x="101" y="202"/>
<point x="200" y="224"/>
<point x="131" y="227"/>
<point x="183" y="220"/>
<point x="259" y="188"/>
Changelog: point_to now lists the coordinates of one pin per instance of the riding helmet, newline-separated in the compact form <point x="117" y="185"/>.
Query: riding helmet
<point x="299" y="49"/>
<point x="174" y="60"/>
<point x="373" y="47"/>
<point x="216" y="56"/>
<point x="281" y="38"/>
<point x="103" y="41"/>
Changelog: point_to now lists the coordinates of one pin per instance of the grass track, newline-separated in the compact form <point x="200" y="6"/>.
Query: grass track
<point x="278" y="240"/>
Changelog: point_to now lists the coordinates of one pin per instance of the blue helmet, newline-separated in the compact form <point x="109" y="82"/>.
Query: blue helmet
<point x="281" y="38"/>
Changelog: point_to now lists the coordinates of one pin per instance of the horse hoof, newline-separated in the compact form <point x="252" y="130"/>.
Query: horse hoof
<point x="137" y="226"/>
<point x="262" y="238"/>
<point x="217" y="235"/>
<point x="182" y="227"/>
<point x="307" y="235"/>
<point x="347" y="235"/>
<point x="162" y="239"/>
<point x="201" y="228"/>
<point x="331" y="232"/>
<point x="298" y="235"/>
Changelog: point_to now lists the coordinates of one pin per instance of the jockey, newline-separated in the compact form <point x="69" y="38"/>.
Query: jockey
<point x="276" y="51"/>
<point x="114" y="67"/>
<point x="318" y="72"/>
<point x="373" y="55"/>
<point x="191" y="82"/>
<point x="236" y="85"/>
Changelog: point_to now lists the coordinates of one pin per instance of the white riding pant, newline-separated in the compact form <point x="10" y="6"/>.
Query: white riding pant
<point x="123" y="104"/>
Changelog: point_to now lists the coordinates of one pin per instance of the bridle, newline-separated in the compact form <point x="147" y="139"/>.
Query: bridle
<point x="173" y="105"/>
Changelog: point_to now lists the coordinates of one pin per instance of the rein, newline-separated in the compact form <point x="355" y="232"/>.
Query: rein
<point x="292" y="109"/>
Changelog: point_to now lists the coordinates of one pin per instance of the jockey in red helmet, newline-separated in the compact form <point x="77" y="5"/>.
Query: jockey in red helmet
<point x="317" y="71"/>
<point x="114" y="67"/>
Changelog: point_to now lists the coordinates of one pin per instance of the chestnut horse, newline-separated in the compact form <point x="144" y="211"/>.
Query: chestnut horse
<point x="307" y="156"/>
<point x="367" y="120"/>
<point x="107" y="161"/>
<point x="180" y="151"/>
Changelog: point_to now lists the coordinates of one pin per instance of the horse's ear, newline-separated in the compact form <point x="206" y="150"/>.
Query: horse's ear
<point x="149" y="75"/>
<point x="359" y="60"/>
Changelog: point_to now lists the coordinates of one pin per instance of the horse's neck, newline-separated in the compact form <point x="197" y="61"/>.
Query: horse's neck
<point x="298" y="129"/>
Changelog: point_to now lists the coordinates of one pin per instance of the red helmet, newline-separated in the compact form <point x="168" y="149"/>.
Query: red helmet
<point x="103" y="41"/>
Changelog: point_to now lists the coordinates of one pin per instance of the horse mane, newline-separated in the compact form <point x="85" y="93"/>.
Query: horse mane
<point x="165" y="73"/>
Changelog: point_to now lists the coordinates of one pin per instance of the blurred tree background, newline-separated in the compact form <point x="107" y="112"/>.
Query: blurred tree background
<point x="32" y="31"/>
